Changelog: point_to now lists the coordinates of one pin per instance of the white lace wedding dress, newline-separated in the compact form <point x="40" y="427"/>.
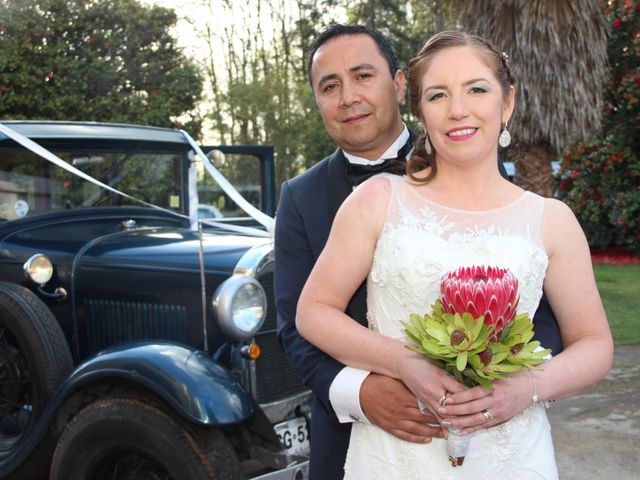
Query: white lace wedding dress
<point x="420" y="241"/>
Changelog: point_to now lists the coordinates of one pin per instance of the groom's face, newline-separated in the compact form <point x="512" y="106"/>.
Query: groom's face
<point x="357" y="96"/>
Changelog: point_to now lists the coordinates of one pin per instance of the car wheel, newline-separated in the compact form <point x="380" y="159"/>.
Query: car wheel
<point x="128" y="438"/>
<point x="34" y="359"/>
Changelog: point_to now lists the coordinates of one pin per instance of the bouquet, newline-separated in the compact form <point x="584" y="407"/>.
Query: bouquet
<point x="474" y="333"/>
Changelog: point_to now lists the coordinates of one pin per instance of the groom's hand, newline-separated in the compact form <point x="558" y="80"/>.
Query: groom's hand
<point x="390" y="405"/>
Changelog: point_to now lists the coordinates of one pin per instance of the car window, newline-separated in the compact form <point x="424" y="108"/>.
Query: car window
<point x="242" y="171"/>
<point x="31" y="185"/>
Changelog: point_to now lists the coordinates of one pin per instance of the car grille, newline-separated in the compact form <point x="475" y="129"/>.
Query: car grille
<point x="276" y="377"/>
<point x="114" y="321"/>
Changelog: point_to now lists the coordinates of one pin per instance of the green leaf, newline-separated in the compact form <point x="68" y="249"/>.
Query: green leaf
<point x="437" y="308"/>
<point x="499" y="357"/>
<point x="477" y="328"/>
<point x="433" y="349"/>
<point x="418" y="323"/>
<point x="485" y="383"/>
<point x="457" y="374"/>
<point x="505" y="367"/>
<point x="461" y="361"/>
<point x="410" y="331"/>
<point x="438" y="331"/>
<point x="482" y="338"/>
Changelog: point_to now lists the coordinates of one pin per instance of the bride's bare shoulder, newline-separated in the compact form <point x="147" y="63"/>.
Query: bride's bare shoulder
<point x="556" y="211"/>
<point x="374" y="190"/>
<point x="560" y="227"/>
<point x="368" y="202"/>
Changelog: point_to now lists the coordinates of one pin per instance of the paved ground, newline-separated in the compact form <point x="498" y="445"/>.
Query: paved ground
<point x="597" y="434"/>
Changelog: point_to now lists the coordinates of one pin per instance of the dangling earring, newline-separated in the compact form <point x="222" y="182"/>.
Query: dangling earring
<point x="504" y="140"/>
<point x="427" y="144"/>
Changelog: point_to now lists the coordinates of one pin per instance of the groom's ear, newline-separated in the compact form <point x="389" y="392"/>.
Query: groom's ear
<point x="400" y="81"/>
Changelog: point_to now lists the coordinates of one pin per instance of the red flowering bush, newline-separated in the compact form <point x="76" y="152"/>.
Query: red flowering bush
<point x="621" y="115"/>
<point x="600" y="180"/>
<point x="613" y="257"/>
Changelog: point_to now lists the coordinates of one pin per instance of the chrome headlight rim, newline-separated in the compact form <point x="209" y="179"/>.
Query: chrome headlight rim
<point x="223" y="304"/>
<point x="39" y="269"/>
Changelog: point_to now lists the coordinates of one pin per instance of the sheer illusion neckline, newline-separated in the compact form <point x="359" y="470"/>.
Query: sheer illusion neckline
<point x="512" y="203"/>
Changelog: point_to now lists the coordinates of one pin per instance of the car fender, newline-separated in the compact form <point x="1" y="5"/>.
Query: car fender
<point x="198" y="387"/>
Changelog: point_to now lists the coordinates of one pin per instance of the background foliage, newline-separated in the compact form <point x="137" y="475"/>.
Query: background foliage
<point x="246" y="82"/>
<point x="600" y="179"/>
<point x="108" y="60"/>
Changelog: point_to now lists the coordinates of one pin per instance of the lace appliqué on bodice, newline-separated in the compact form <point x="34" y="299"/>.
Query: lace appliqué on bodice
<point x="420" y="242"/>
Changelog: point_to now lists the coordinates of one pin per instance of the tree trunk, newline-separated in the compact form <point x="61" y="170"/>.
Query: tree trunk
<point x="533" y="168"/>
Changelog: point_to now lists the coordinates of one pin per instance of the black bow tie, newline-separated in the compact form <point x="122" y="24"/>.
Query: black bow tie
<point x="358" y="173"/>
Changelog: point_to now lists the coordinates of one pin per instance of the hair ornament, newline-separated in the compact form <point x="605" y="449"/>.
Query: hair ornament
<point x="505" y="57"/>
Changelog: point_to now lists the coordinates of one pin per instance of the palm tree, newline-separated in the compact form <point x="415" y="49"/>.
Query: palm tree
<point x="558" y="54"/>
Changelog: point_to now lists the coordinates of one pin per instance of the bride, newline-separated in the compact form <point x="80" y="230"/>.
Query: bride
<point x="455" y="210"/>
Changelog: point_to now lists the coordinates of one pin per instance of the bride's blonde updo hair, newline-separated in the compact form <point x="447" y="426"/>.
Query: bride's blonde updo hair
<point x="496" y="61"/>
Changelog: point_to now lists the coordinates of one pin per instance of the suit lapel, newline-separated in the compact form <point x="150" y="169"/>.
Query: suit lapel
<point x="338" y="185"/>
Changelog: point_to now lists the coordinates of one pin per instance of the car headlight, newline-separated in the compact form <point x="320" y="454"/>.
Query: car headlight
<point x="39" y="269"/>
<point x="241" y="307"/>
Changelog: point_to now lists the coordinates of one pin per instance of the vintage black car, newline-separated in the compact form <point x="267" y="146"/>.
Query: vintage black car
<point x="135" y="340"/>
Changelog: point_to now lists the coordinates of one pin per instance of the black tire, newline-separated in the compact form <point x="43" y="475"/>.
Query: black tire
<point x="127" y="438"/>
<point x="34" y="359"/>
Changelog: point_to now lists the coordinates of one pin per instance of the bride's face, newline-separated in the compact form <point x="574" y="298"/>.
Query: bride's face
<point x="463" y="106"/>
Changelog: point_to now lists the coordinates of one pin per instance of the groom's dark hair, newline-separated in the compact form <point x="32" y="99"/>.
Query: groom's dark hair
<point x="339" y="30"/>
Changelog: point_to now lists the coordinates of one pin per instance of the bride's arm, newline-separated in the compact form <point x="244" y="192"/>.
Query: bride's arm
<point x="573" y="295"/>
<point x="340" y="270"/>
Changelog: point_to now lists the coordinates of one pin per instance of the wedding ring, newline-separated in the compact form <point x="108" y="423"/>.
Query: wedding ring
<point x="443" y="400"/>
<point x="487" y="415"/>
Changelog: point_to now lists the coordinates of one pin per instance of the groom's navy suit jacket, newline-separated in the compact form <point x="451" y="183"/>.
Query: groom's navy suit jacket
<point x="308" y="204"/>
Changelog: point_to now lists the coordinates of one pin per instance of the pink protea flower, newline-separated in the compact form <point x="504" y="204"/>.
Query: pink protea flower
<point x="481" y="290"/>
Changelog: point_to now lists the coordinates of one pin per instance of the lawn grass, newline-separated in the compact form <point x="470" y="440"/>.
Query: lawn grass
<point x="619" y="287"/>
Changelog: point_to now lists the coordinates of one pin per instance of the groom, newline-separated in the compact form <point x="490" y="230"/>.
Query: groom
<point x="358" y="88"/>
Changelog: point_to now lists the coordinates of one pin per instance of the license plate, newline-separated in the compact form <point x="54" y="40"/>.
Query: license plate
<point x="294" y="435"/>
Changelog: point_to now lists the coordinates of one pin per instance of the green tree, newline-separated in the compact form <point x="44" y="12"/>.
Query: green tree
<point x="407" y="24"/>
<point x="257" y="79"/>
<point x="94" y="60"/>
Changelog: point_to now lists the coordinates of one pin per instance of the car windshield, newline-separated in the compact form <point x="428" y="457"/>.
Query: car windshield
<point x="31" y="185"/>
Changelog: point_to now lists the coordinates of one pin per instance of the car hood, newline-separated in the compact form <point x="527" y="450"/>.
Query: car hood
<point x="103" y="241"/>
<point x="175" y="248"/>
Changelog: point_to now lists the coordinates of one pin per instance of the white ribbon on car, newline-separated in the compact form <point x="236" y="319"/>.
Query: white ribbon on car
<point x="253" y="212"/>
<point x="265" y="220"/>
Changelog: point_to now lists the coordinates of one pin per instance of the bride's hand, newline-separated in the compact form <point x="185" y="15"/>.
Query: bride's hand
<point x="479" y="408"/>
<point x="430" y="384"/>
